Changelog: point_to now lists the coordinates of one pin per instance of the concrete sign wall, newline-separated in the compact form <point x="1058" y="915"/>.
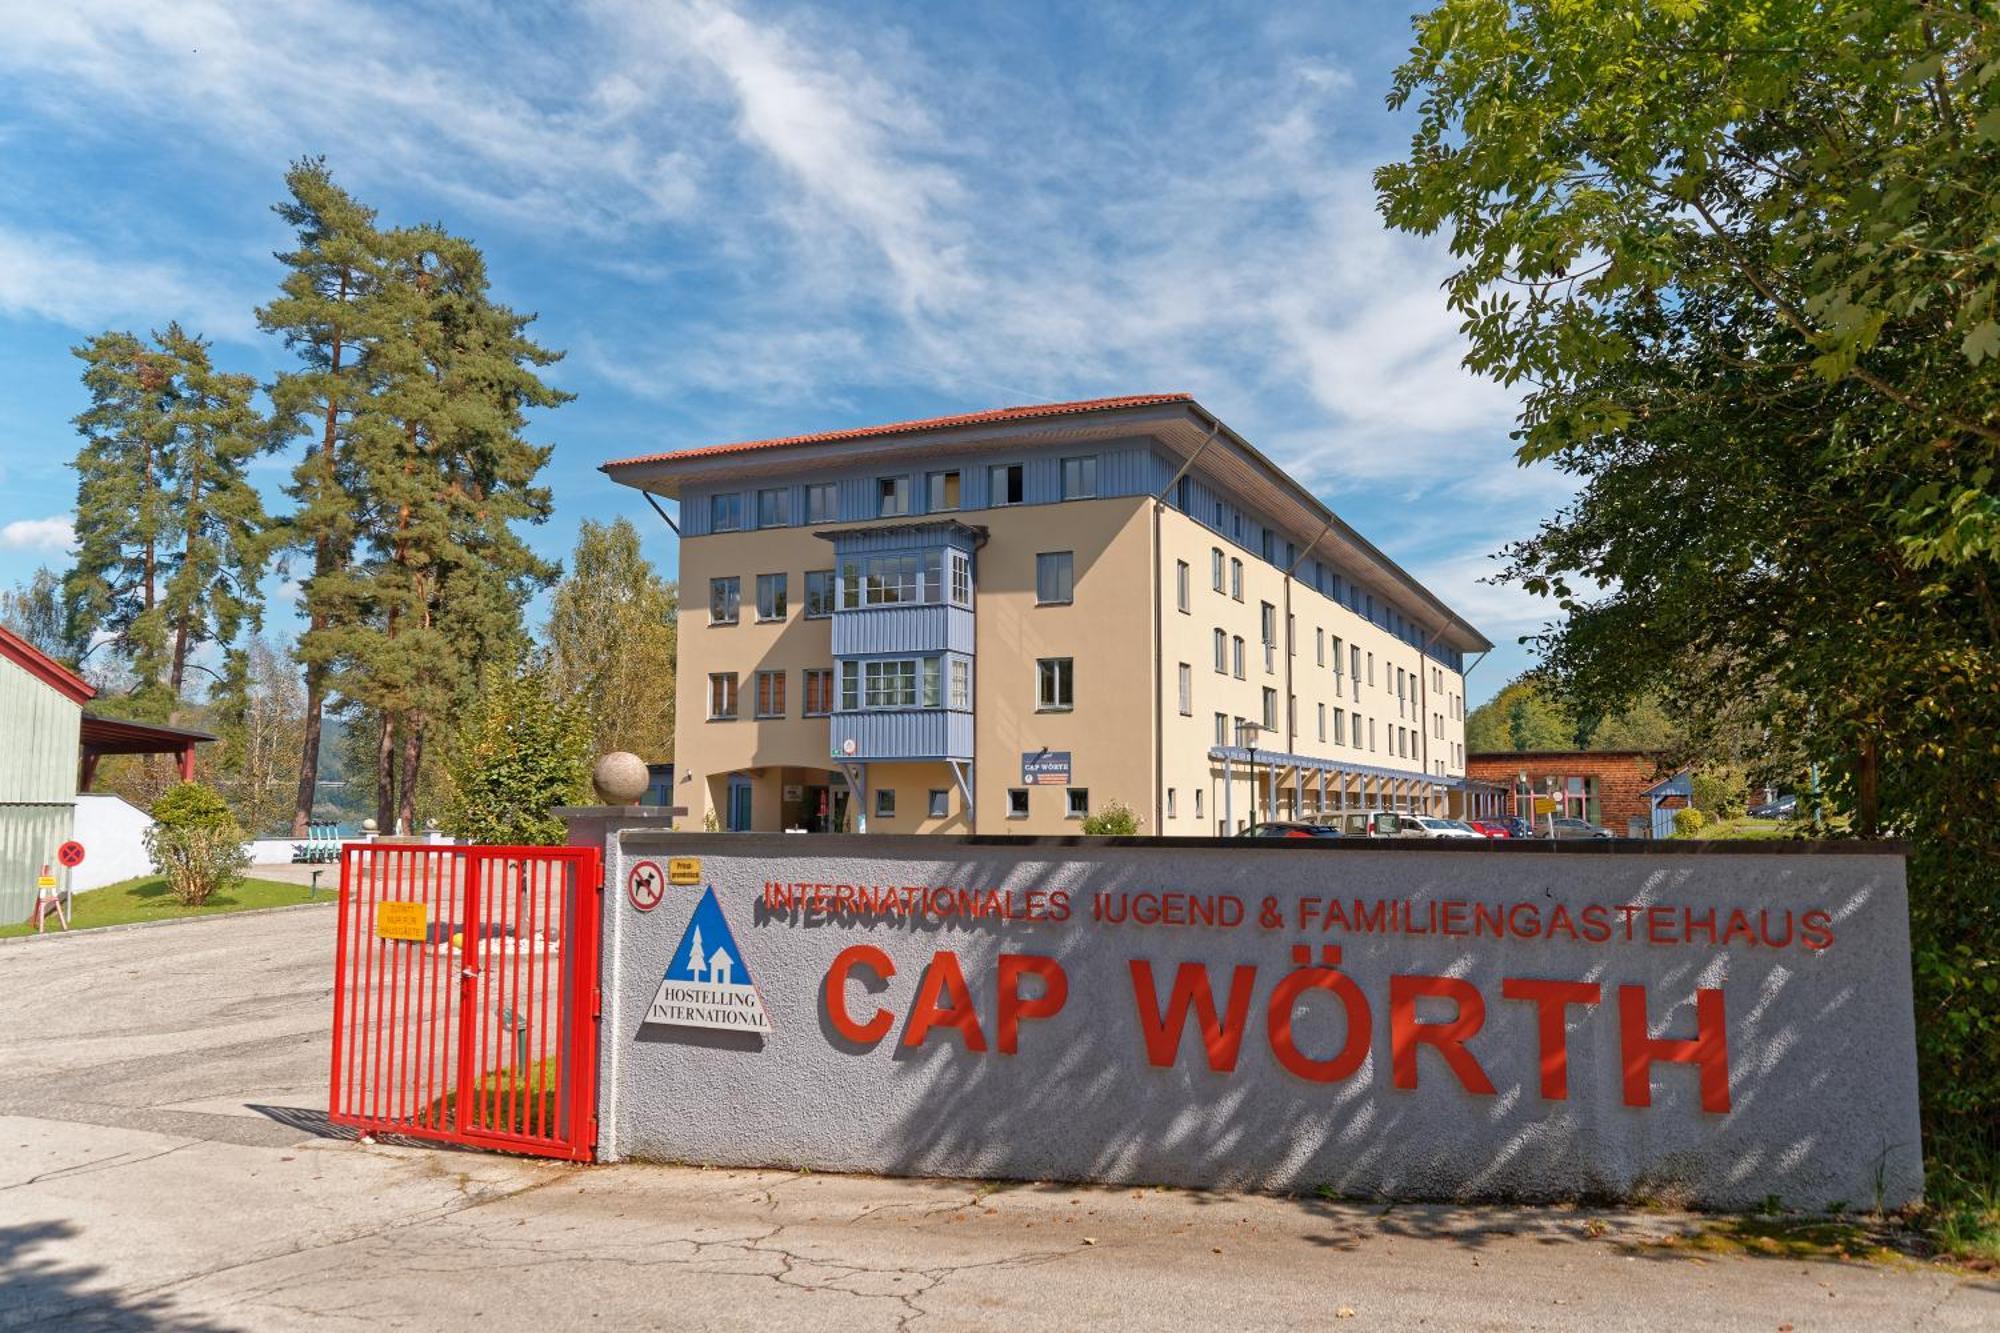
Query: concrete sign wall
<point x="1405" y="1020"/>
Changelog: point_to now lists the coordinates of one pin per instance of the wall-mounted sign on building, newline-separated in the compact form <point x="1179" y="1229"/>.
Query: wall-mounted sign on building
<point x="1045" y="768"/>
<point x="707" y="983"/>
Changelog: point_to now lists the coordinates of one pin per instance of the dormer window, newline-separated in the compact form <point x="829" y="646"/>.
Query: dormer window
<point x="1005" y="480"/>
<point x="893" y="495"/>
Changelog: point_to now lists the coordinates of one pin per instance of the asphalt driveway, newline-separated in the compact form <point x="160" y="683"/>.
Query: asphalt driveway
<point x="165" y="1163"/>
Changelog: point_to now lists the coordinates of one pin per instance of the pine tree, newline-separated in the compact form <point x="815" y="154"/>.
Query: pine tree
<point x="326" y="314"/>
<point x="611" y="641"/>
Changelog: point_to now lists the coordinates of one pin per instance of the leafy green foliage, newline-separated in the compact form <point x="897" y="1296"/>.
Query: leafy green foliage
<point x="35" y="611"/>
<point x="1530" y="714"/>
<point x="611" y="641"/>
<point x="1113" y="819"/>
<point x="1689" y="821"/>
<point x="195" y="843"/>
<point x="1721" y="793"/>
<point x="1741" y="259"/>
<point x="520" y="752"/>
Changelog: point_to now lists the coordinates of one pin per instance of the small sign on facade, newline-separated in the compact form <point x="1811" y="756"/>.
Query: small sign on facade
<point x="645" y="885"/>
<point x="684" y="870"/>
<point x="1045" y="768"/>
<point x="400" y="920"/>
<point x="707" y="983"/>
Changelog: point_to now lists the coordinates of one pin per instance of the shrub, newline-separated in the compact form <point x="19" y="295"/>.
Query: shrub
<point x="1721" y="793"/>
<point x="1688" y="822"/>
<point x="195" y="843"/>
<point x="1114" y="819"/>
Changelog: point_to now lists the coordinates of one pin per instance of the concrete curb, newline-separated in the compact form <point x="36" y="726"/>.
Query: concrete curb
<point x="123" y="926"/>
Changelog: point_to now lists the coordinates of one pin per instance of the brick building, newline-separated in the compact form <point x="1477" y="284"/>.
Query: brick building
<point x="1614" y="788"/>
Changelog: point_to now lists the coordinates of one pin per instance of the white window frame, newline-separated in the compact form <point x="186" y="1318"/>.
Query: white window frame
<point x="1055" y="678"/>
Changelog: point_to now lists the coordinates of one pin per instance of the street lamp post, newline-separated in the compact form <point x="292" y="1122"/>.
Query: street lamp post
<point x="1251" y="731"/>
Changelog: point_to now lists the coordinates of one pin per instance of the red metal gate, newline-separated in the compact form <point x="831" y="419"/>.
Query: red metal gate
<point x="465" y="995"/>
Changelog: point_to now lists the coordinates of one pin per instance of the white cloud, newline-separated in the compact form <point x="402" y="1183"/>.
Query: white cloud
<point x="58" y="279"/>
<point x="55" y="533"/>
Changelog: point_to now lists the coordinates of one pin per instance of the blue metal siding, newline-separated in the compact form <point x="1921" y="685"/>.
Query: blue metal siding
<point x="902" y="630"/>
<point x="921" y="733"/>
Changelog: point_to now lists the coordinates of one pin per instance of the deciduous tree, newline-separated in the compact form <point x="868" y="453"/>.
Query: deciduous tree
<point x="611" y="641"/>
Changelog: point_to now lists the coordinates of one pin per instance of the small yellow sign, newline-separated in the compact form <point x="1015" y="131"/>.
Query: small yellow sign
<point x="401" y="921"/>
<point x="45" y="881"/>
<point x="684" y="870"/>
<point x="1545" y="805"/>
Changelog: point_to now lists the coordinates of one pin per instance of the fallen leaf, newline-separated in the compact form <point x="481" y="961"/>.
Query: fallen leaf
<point x="1344" y="1312"/>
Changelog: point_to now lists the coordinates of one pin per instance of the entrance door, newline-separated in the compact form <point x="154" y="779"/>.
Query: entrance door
<point x="739" y="806"/>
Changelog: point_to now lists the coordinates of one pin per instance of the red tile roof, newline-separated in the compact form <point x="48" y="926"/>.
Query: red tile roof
<point x="1030" y="412"/>
<point x="45" y="668"/>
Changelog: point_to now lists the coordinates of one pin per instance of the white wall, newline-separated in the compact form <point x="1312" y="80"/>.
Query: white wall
<point x="113" y="835"/>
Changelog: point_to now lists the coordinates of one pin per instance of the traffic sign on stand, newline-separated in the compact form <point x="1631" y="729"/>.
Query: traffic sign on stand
<point x="70" y="853"/>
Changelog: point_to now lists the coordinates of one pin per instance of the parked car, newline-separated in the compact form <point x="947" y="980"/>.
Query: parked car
<point x="1516" y="826"/>
<point x="1785" y="807"/>
<point x="1493" y="828"/>
<point x="1377" y="824"/>
<point x="1581" y="828"/>
<point x="1292" y="829"/>
<point x="1434" y="827"/>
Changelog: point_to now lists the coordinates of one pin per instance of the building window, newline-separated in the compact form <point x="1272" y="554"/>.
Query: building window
<point x="725" y="513"/>
<point x="1215" y="565"/>
<point x="773" y="594"/>
<point x="892" y="496"/>
<point x="1221" y="653"/>
<point x="770" y="694"/>
<point x="819" y="691"/>
<point x="1371" y="733"/>
<point x="961" y="578"/>
<point x="1322" y="724"/>
<point x="940" y="802"/>
<point x="722" y="696"/>
<point x="1235" y="578"/>
<point x="1268" y="546"/>
<point x="1371" y="671"/>
<point x="885" y="803"/>
<point x="889" y="580"/>
<point x="1017" y="803"/>
<point x="1055" y="684"/>
<point x="1003" y="481"/>
<point x="1055" y="575"/>
<point x="1357" y="729"/>
<point x="819" y="594"/>
<point x="822" y="502"/>
<point x="1173" y="811"/>
<point x="1079" y="478"/>
<point x="774" y="508"/>
<point x="891" y="684"/>
<point x="1181" y="582"/>
<point x="1222" y="728"/>
<point x="961" y="684"/>
<point x="1336" y="662"/>
<point x="1079" y="803"/>
<point x="1187" y="690"/>
<point x="1236" y="655"/>
<point x="725" y="597"/>
<point x="943" y="492"/>
<point x="1319" y="648"/>
<point x="1197" y="803"/>
<point x="1270" y="709"/>
<point x="1339" y="727"/>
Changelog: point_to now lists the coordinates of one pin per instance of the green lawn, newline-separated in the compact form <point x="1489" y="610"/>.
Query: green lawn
<point x="1748" y="829"/>
<point x="148" y="900"/>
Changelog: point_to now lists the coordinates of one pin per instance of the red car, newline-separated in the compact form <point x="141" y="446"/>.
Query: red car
<point x="1490" y="828"/>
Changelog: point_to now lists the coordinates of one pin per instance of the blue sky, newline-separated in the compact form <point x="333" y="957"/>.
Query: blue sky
<point x="747" y="221"/>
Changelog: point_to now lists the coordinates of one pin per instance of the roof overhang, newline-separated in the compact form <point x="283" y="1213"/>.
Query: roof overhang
<point x="117" y="735"/>
<point x="44" y="668"/>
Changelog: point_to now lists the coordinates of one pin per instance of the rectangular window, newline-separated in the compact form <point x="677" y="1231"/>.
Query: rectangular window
<point x="770" y="694"/>
<point x="940" y="803"/>
<point x="722" y="696"/>
<point x="773" y="596"/>
<point x="819" y="691"/>
<point x="774" y="509"/>
<point x="822" y="502"/>
<point x="850" y="686"/>
<point x="961" y="578"/>
<point x="819" y="593"/>
<point x="1267" y="623"/>
<point x="1215" y="565"/>
<point x="725" y="597"/>
<point x="1221" y="653"/>
<point x="1055" y="684"/>
<point x="1354" y="661"/>
<point x="1055" y="573"/>
<point x="1371" y="733"/>
<point x="1181" y="582"/>
<point x="885" y="803"/>
<point x="1236" y="655"/>
<point x="892" y="496"/>
<point x="932" y="697"/>
<point x="1322" y="723"/>
<point x="891" y="684"/>
<point x="1172" y="806"/>
<point x="725" y="512"/>
<point x="1319" y="648"/>
<point x="889" y="580"/>
<point x="1268" y="546"/>
<point x="1197" y="803"/>
<point x="1235" y="578"/>
<point x="1339" y="727"/>
<point x="1004" y="485"/>
<point x="961" y="684"/>
<point x="1017" y="803"/>
<point x="943" y="492"/>
<point x="1270" y="709"/>
<point x="1079" y="803"/>
<point x="1371" y="671"/>
<point x="1187" y="690"/>
<point x="1357" y="729"/>
<point x="1079" y="478"/>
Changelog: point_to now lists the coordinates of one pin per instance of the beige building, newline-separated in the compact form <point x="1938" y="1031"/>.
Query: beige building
<point x="1004" y="621"/>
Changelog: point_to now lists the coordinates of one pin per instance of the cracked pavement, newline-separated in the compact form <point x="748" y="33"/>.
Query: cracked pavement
<point x="164" y="1165"/>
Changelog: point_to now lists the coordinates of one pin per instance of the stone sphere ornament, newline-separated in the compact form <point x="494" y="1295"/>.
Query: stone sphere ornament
<point x="620" y="778"/>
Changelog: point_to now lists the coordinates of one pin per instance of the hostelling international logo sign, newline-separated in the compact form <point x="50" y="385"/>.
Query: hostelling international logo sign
<point x="707" y="984"/>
